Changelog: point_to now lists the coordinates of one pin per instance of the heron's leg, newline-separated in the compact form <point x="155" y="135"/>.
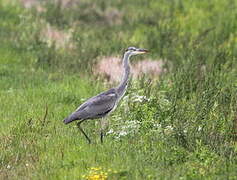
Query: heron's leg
<point x="103" y="126"/>
<point x="83" y="132"/>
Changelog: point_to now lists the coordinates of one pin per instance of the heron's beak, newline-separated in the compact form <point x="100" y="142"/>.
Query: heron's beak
<point x="142" y="51"/>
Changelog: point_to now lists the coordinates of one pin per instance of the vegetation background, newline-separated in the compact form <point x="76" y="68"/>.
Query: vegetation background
<point x="181" y="125"/>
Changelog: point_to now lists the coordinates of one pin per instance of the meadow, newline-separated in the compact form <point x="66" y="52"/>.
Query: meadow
<point x="179" y="125"/>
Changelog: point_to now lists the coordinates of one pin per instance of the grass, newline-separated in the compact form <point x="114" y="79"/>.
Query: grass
<point x="181" y="126"/>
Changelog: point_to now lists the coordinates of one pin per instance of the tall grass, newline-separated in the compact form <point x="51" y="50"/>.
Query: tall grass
<point x="181" y="126"/>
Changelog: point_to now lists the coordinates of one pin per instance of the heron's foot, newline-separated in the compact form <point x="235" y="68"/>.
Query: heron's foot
<point x="101" y="137"/>
<point x="103" y="126"/>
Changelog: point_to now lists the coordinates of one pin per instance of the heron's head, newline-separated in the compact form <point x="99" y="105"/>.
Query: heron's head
<point x="135" y="51"/>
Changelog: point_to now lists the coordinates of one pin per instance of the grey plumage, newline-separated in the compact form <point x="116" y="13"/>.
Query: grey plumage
<point x="104" y="103"/>
<point x="95" y="107"/>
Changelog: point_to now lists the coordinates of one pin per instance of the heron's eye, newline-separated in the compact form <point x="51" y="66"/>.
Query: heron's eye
<point x="131" y="49"/>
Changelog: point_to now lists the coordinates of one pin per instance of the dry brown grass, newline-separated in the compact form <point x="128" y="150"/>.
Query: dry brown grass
<point x="111" y="68"/>
<point x="38" y="4"/>
<point x="28" y="4"/>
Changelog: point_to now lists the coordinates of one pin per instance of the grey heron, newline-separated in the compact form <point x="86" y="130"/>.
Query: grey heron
<point x="104" y="103"/>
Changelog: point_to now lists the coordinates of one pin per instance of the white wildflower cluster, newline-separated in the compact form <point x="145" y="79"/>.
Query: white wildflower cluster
<point x="199" y="128"/>
<point x="127" y="128"/>
<point x="137" y="98"/>
<point x="185" y="130"/>
<point x="157" y="127"/>
<point x="167" y="130"/>
<point x="133" y="97"/>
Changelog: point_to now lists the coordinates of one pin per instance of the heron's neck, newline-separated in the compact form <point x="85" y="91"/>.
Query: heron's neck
<point x="124" y="82"/>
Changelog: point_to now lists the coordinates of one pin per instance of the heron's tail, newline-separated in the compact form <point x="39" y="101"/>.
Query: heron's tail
<point x="71" y="118"/>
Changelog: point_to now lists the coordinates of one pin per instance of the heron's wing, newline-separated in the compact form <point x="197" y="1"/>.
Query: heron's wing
<point x="97" y="106"/>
